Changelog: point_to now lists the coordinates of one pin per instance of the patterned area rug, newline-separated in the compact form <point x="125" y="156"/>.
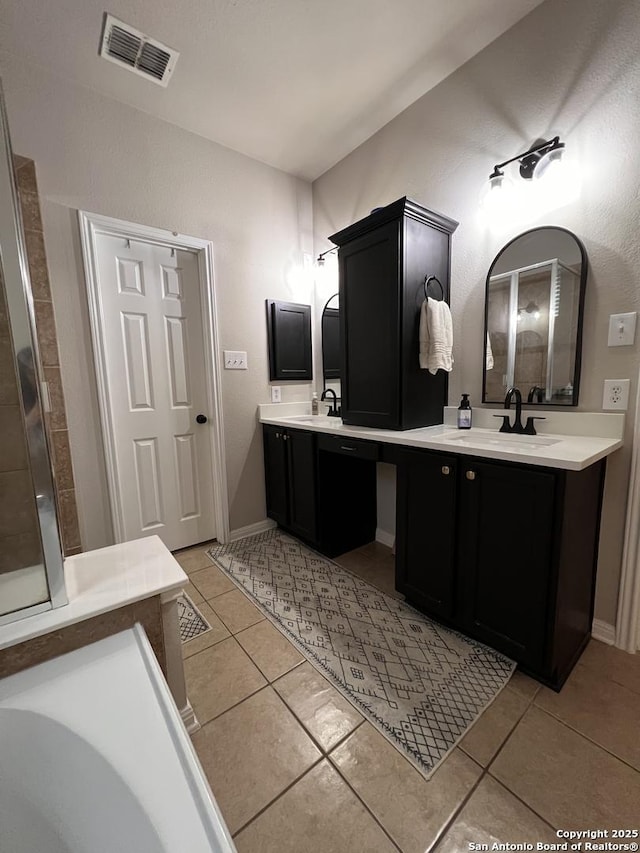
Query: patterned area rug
<point x="192" y="622"/>
<point x="419" y="683"/>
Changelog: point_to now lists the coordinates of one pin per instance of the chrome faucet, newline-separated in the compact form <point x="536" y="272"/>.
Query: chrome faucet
<point x="334" y="411"/>
<point x="507" y="426"/>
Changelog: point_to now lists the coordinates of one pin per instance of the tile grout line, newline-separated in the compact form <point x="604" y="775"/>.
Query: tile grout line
<point x="217" y="642"/>
<point x="324" y="753"/>
<point x="484" y="773"/>
<point x="324" y="756"/>
<point x="230" y="708"/>
<point x="504" y="785"/>
<point x="369" y="811"/>
<point x="594" y="670"/>
<point x="524" y="802"/>
<point x="278" y="796"/>
<point x="235" y="705"/>
<point x="587" y="738"/>
<point x="270" y="681"/>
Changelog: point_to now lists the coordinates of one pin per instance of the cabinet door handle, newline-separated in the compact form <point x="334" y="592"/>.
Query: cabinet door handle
<point x="471" y="475"/>
<point x="285" y="437"/>
<point x="277" y="435"/>
<point x="345" y="447"/>
<point x="446" y="470"/>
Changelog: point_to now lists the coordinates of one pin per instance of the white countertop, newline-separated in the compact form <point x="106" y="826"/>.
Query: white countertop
<point x="103" y="580"/>
<point x="586" y="437"/>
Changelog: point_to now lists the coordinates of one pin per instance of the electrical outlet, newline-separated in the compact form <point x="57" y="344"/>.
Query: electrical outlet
<point x="235" y="360"/>
<point x="616" y="394"/>
<point x="622" y="329"/>
<point x="276" y="394"/>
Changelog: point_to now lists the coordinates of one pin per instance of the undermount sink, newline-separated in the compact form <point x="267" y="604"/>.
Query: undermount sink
<point x="500" y="440"/>
<point x="318" y="420"/>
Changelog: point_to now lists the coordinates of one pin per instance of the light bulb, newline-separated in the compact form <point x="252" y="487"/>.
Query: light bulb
<point x="496" y="196"/>
<point x="557" y="179"/>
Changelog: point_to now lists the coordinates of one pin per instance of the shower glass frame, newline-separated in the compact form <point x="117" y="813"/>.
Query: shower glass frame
<point x="21" y="318"/>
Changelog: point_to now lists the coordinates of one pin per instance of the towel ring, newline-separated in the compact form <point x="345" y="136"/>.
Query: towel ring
<point x="427" y="281"/>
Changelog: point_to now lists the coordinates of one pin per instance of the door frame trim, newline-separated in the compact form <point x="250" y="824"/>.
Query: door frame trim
<point x="627" y="627"/>
<point x="93" y="225"/>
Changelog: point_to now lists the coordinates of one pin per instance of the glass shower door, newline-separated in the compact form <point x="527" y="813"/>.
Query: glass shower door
<point x="31" y="568"/>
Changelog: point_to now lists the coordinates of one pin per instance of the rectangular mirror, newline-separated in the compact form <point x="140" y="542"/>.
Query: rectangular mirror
<point x="533" y="318"/>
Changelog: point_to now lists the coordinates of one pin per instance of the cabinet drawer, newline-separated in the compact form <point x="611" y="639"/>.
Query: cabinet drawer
<point x="348" y="446"/>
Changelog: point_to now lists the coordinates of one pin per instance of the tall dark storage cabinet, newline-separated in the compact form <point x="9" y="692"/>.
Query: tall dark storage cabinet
<point x="384" y="260"/>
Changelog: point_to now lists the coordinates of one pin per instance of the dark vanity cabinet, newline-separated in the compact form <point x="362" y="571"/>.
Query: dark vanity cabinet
<point x="383" y="262"/>
<point x="321" y="488"/>
<point x="290" y="477"/>
<point x="506" y="553"/>
<point x="505" y="549"/>
<point x="289" y="337"/>
<point x="426" y="502"/>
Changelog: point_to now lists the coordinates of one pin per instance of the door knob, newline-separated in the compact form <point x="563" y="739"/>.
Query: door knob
<point x="446" y="470"/>
<point x="471" y="475"/>
<point x="201" y="419"/>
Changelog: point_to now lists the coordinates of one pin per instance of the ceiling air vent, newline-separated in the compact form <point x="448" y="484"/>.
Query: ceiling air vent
<point x="134" y="50"/>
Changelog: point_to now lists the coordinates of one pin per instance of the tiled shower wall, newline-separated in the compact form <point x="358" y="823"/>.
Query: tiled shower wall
<point x="56" y="420"/>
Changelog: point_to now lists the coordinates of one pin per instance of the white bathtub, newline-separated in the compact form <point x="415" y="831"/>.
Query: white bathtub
<point x="95" y="759"/>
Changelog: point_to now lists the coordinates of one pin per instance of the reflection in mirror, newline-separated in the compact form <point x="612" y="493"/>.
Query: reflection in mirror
<point x="533" y="318"/>
<point x="330" y="327"/>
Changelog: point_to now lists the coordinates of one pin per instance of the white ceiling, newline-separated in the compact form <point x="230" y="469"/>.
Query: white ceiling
<point x="297" y="84"/>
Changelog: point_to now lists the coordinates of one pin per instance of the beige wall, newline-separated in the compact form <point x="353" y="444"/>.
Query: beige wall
<point x="570" y="67"/>
<point x="96" y="154"/>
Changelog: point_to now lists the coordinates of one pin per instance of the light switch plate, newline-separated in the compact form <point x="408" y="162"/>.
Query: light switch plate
<point x="235" y="360"/>
<point x="616" y="394"/>
<point x="622" y="329"/>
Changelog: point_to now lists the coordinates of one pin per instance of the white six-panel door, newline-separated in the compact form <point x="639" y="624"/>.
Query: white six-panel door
<point x="154" y="354"/>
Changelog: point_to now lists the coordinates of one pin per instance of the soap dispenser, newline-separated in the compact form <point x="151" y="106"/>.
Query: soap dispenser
<point x="464" y="413"/>
<point x="315" y="409"/>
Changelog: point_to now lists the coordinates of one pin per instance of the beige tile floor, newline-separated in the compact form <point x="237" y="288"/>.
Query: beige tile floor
<point x="296" y="769"/>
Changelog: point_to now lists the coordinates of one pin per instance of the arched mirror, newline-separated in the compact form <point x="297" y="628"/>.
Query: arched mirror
<point x="533" y="318"/>
<point x="330" y="328"/>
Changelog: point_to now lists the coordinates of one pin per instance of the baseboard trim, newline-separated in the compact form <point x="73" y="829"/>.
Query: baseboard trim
<point x="603" y="631"/>
<point x="189" y="719"/>
<point x="251" y="529"/>
<point x="385" y="537"/>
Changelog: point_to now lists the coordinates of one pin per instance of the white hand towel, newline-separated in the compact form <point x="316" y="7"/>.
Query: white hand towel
<point x="489" y="356"/>
<point x="436" y="336"/>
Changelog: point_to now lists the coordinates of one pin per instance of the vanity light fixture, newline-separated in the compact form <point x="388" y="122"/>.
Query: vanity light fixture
<point x="535" y="161"/>
<point x="549" y="181"/>
<point x="320" y="258"/>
